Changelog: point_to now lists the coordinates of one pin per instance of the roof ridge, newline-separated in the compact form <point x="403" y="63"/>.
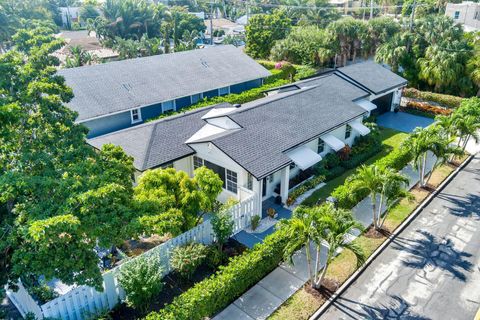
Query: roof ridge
<point x="149" y="147"/>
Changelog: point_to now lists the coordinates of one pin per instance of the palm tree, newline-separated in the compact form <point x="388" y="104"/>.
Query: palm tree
<point x="433" y="140"/>
<point x="338" y="227"/>
<point x="369" y="178"/>
<point x="304" y="228"/>
<point x="467" y="127"/>
<point x="383" y="183"/>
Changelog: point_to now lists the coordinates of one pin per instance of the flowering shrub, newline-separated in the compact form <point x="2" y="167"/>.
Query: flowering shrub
<point x="443" y="99"/>
<point x="426" y="108"/>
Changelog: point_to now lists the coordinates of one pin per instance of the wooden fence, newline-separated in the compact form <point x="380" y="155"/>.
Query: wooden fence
<point x="85" y="302"/>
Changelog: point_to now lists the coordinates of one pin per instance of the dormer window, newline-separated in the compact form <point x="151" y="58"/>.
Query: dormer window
<point x="136" y="115"/>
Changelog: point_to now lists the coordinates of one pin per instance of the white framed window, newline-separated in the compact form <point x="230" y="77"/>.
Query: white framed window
<point x="321" y="146"/>
<point x="270" y="178"/>
<point x="292" y="165"/>
<point x="168" y="105"/>
<point x="249" y="182"/>
<point x="197" y="162"/>
<point x="167" y="165"/>
<point x="456" y="15"/>
<point x="348" y="131"/>
<point x="223" y="91"/>
<point x="231" y="181"/>
<point x="196" y="97"/>
<point x="136" y="115"/>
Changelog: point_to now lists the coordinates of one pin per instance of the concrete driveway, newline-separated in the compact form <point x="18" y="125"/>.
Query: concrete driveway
<point x="432" y="269"/>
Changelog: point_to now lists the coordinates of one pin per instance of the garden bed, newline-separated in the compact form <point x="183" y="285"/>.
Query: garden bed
<point x="175" y="285"/>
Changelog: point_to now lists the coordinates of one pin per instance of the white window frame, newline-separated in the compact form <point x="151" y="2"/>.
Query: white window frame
<point x="139" y="113"/>
<point x="249" y="182"/>
<point x="226" y="93"/>
<point x="195" y="159"/>
<point x="173" y="104"/>
<point x="320" y="143"/>
<point x="348" y="130"/>
<point x="230" y="185"/>
<point x="456" y="15"/>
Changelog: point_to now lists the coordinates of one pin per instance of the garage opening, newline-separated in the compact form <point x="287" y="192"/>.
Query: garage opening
<point x="383" y="104"/>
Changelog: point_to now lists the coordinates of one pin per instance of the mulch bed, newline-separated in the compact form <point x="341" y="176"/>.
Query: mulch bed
<point x="328" y="287"/>
<point x="376" y="234"/>
<point x="176" y="285"/>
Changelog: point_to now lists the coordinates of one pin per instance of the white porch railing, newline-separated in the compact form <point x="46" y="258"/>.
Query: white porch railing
<point x="83" y="302"/>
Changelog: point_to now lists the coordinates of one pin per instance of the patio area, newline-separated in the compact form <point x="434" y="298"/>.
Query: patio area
<point x="250" y="238"/>
<point x="403" y="121"/>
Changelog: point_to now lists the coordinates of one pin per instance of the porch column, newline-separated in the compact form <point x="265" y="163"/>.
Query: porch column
<point x="285" y="177"/>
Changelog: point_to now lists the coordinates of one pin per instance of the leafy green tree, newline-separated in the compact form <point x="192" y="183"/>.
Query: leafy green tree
<point x="58" y="197"/>
<point x="263" y="29"/>
<point x="302" y="45"/>
<point x="141" y="278"/>
<point x="222" y="224"/>
<point x="465" y="121"/>
<point x="159" y="190"/>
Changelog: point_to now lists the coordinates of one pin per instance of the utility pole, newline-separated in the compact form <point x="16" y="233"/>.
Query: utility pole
<point x="412" y="16"/>
<point x="371" y="9"/>
<point x="211" y="23"/>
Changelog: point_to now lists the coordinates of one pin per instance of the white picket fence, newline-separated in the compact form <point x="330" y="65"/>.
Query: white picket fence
<point x="85" y="302"/>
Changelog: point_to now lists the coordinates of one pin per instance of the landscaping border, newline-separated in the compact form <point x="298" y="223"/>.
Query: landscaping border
<point x="388" y="241"/>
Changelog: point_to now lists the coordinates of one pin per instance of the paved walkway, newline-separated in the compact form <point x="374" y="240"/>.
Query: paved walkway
<point x="403" y="121"/>
<point x="431" y="269"/>
<point x="266" y="296"/>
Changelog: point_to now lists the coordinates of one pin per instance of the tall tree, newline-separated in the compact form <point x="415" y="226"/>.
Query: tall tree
<point x="263" y="30"/>
<point x="58" y="197"/>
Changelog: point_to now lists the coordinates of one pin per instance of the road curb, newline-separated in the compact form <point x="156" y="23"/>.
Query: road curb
<point x="389" y="240"/>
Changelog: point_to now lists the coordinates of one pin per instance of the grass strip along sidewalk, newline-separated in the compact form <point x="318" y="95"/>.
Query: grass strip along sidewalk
<point x="305" y="302"/>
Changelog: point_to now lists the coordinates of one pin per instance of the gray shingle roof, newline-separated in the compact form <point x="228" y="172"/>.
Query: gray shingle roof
<point x="123" y="85"/>
<point x="373" y="76"/>
<point x="271" y="127"/>
<point x="158" y="142"/>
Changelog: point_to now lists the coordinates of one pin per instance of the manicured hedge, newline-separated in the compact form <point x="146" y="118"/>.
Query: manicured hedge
<point x="443" y="99"/>
<point x="346" y="195"/>
<point x="213" y="294"/>
<point x="310" y="184"/>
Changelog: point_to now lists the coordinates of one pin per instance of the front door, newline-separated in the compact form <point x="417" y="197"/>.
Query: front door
<point x="264" y="187"/>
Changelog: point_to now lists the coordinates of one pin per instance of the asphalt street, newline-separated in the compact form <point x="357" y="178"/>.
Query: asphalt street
<point x="432" y="269"/>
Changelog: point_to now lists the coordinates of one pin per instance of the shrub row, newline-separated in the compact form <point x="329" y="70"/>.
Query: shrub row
<point x="216" y="292"/>
<point x="426" y="108"/>
<point x="346" y="195"/>
<point x="310" y="184"/>
<point x="443" y="99"/>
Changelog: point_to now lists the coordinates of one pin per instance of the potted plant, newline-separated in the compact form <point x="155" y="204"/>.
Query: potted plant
<point x="255" y="222"/>
<point x="272" y="213"/>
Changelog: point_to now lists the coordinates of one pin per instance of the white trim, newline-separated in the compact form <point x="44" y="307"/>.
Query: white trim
<point x="360" y="128"/>
<point x="304" y="157"/>
<point x="174" y="106"/>
<point x="139" y="115"/>
<point x="335" y="143"/>
<point x="365" y="104"/>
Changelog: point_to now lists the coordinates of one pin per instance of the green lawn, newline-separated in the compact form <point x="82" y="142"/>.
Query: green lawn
<point x="390" y="138"/>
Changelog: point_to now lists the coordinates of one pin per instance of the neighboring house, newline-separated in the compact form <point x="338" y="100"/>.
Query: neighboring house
<point x="88" y="42"/>
<point x="466" y="13"/>
<point x="259" y="146"/>
<point x="120" y="94"/>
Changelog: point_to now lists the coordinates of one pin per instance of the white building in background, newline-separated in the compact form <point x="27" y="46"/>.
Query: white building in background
<point x="466" y="13"/>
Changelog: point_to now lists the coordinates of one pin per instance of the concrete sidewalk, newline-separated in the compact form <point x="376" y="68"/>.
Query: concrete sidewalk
<point x="272" y="291"/>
